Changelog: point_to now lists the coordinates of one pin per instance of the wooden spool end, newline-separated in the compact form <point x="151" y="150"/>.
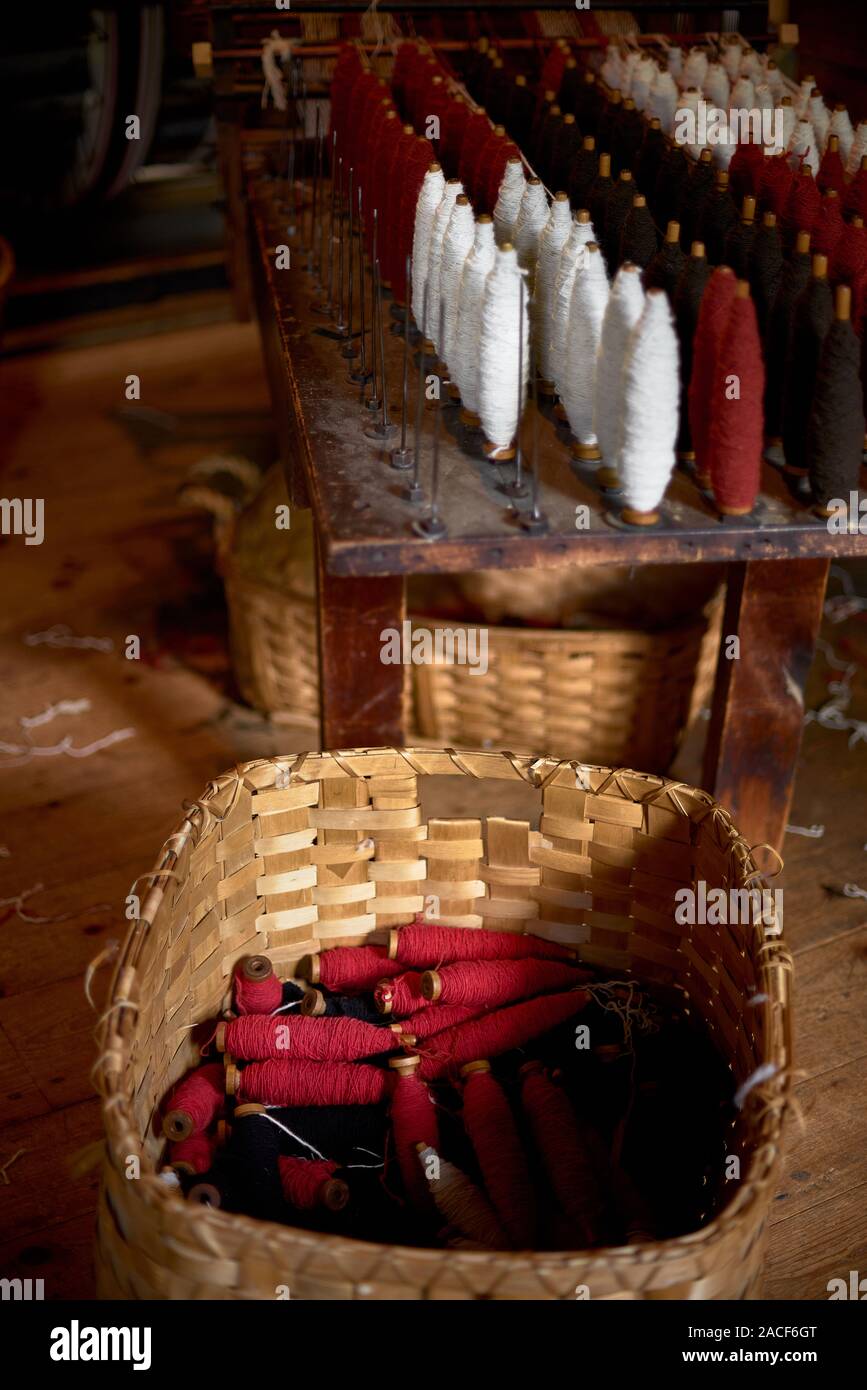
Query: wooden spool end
<point x="392" y="943"/>
<point x="686" y="456"/>
<point x="313" y="1004"/>
<point x="605" y="166"/>
<point x="586" y="453"/>
<point x="546" y="388"/>
<point x="406" y="1039"/>
<point x="698" y="251"/>
<point x="220" y="1037"/>
<point x="334" y="1194"/>
<point x="560" y="196"/>
<point x="748" y="210"/>
<point x="184" y="1168"/>
<point x="205" y="1194"/>
<point x="606" y="477"/>
<point x="470" y="419"/>
<point x="672" y="233"/>
<point x="497" y="453"/>
<point x="177" y="1125"/>
<point x="384" y="1003"/>
<point x="635" y="518"/>
<point x="530" y="1067"/>
<point x="308" y="969"/>
<point x="404" y="1066"/>
<point x="820" y="266"/>
<point x="769" y="219"/>
<point x="802" y="243"/>
<point x="431" y="985"/>
<point x="733" y="511"/>
<point x="255" y="968"/>
<point x="842" y="303"/>
<point x="250" y="1107"/>
<point x="454" y="392"/>
<point x="232" y="1076"/>
<point x="471" y="1067"/>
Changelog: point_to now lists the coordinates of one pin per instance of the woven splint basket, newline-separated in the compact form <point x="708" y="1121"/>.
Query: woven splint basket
<point x="295" y="854"/>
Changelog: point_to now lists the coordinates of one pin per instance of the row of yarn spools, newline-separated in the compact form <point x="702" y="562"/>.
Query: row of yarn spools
<point x="503" y="1110"/>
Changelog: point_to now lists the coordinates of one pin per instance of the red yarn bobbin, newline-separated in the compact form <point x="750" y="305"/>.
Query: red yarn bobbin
<point x="737" y="425"/>
<point x="493" y="1133"/>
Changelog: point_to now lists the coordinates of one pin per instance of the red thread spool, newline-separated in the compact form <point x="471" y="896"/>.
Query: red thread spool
<point x="351" y="148"/>
<point x="489" y="984"/>
<point x="712" y="320"/>
<point x="564" y="1156"/>
<point x="385" y="114"/>
<point x="856" y="193"/>
<point x="414" y="1122"/>
<point x="348" y="969"/>
<point x="745" y="171"/>
<point x="195" y="1102"/>
<point x="305" y="1083"/>
<point x="831" y="172"/>
<point x="346" y="72"/>
<point x="309" y="1183"/>
<point x="803" y="203"/>
<point x="426" y="947"/>
<point x="401" y="995"/>
<point x="389" y="219"/>
<point x="828" y="226"/>
<point x="257" y="989"/>
<point x="775" y="185"/>
<point x="737" y="425"/>
<point x="493" y="1133"/>
<point x="477" y="132"/>
<point x="499" y="1032"/>
<point x="305" y="1039"/>
<point x="375" y="93"/>
<point x="435" y="1018"/>
<point x="193" y="1155"/>
<point x="850" y="253"/>
<point x="452" y="130"/>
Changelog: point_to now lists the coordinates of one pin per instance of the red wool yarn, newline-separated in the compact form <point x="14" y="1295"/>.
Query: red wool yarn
<point x="737" y="424"/>
<point x="346" y="73"/>
<point x="349" y="969"/>
<point x="417" y="165"/>
<point x="401" y="995"/>
<point x="413" y="1122"/>
<point x="362" y="93"/>
<point x="489" y="984"/>
<point x="334" y="1039"/>
<point x="427" y="948"/>
<point x="193" y="1155"/>
<point x="775" y="185"/>
<point x="855" y="198"/>
<point x="375" y="93"/>
<point x="850" y="254"/>
<point x="498" y="1032"/>
<point x="712" y="320"/>
<point x="385" y="151"/>
<point x="308" y="1183"/>
<point x="256" y="996"/>
<point x="554" y="68"/>
<point x="802" y="204"/>
<point x="491" y="1127"/>
<point x="452" y="130"/>
<point x="306" y="1083"/>
<point x="389" y="217"/>
<point x="435" y="1018"/>
<point x="478" y="129"/>
<point x="195" y="1102"/>
<point x="831" y="172"/>
<point x="745" y="171"/>
<point x="566" y="1161"/>
<point x="828" y="226"/>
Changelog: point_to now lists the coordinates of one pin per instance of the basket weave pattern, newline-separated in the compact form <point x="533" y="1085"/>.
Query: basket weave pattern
<point x="290" y="855"/>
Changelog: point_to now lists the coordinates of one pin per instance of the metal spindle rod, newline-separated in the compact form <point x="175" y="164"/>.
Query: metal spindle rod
<point x="373" y="401"/>
<point x="402" y="458"/>
<point x="534" y="521"/>
<point x="517" y="487"/>
<point x="414" y="492"/>
<point x="384" y="429"/>
<point x="432" y="526"/>
<point x="350" y="348"/>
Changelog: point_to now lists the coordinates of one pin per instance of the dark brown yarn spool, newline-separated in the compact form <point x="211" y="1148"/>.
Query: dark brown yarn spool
<point x="813" y="315"/>
<point x="716" y="219"/>
<point x="567" y="145"/>
<point x="670" y="182"/>
<point x="617" y="208"/>
<point x="793" y="282"/>
<point x="570" y="86"/>
<point x="599" y="193"/>
<point x="687" y="302"/>
<point x="583" y="172"/>
<point x="650" y="157"/>
<point x="608" y="123"/>
<point x="693" y="194"/>
<point x="766" y="268"/>
<point x="835" y="433"/>
<point x="549" y="134"/>
<point x="541" y="114"/>
<point x="739" y="242"/>
<point x="638" y="240"/>
<point x="666" y="267"/>
<point x="518" y="118"/>
<point x="588" y="105"/>
<point x="627" y="135"/>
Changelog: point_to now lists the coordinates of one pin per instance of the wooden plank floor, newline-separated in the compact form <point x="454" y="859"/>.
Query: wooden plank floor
<point x="120" y="557"/>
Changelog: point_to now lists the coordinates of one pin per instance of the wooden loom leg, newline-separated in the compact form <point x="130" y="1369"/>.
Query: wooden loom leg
<point x="775" y="609"/>
<point x="360" y="697"/>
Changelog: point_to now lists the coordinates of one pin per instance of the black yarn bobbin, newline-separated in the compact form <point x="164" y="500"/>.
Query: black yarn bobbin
<point x="793" y="282"/>
<point x="765" y="271"/>
<point x="835" y="433"/>
<point x="814" y="312"/>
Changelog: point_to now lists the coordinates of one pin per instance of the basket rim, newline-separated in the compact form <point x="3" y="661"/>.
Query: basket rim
<point x="114" y="1034"/>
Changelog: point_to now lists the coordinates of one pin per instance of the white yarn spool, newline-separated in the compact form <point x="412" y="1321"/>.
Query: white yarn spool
<point x="622" y="312"/>
<point x="532" y="220"/>
<point x="841" y="126"/>
<point x="802" y="98"/>
<point x="686" y="117"/>
<point x="803" y="147"/>
<point x="789" y="121"/>
<point x="743" y="95"/>
<point x="451" y="193"/>
<point x="674" y="62"/>
<point x="717" y="86"/>
<point x="586" y="314"/>
<point x="642" y="79"/>
<point x="561" y="299"/>
<point x="509" y="200"/>
<point x="457" y="244"/>
<point x="651" y="395"/>
<point x="764" y="97"/>
<point x="499" y="352"/>
<point x="612" y="68"/>
<point x="554" y="238"/>
<point x="774" y="79"/>
<point x="820" y="118"/>
<point x="858" y="150"/>
<point x="695" y="68"/>
<point x="630" y="65"/>
<point x="751" y="65"/>
<point x="429" y="198"/>
<point x="465" y="356"/>
<point x="731" y="60"/>
<point x="663" y="100"/>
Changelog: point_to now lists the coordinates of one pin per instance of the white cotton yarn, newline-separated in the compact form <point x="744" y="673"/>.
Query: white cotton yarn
<point x="622" y="312"/>
<point x="820" y="118"/>
<point x="612" y="68"/>
<point x="731" y="60"/>
<point x="642" y="80"/>
<point x="695" y="68"/>
<point x="743" y="95"/>
<point x="764" y="97"/>
<point x="751" y="65"/>
<point x="586" y="314"/>
<point x="429" y="198"/>
<point x="465" y="354"/>
<point x="789" y="121"/>
<point x="841" y="126"/>
<point x="571" y="257"/>
<point x="499" y="351"/>
<point x="717" y="86"/>
<point x="553" y="239"/>
<point x="531" y="222"/>
<point x="651" y="392"/>
<point x="674" y="60"/>
<point x="457" y="244"/>
<point x="803" y="147"/>
<point x="858" y="150"/>
<point x="509" y="200"/>
<point x="663" y="100"/>
<point x="451" y="192"/>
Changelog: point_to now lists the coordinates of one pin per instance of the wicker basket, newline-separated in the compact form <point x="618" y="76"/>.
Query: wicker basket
<point x="308" y="851"/>
<point x="607" y="692"/>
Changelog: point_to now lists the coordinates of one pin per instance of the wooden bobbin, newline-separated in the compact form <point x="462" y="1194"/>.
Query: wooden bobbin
<point x="308" y="969"/>
<point x="497" y="453"/>
<point x="383" y="1003"/>
<point x="205" y="1194"/>
<point x="256" y="968"/>
<point x="802" y="243"/>
<point x="432" y="985"/>
<point x="470" y="418"/>
<point x="585" y="453"/>
<point x="607" y="477"/>
<point x="686" y="456"/>
<point x="183" y="1167"/>
<point x="393" y="936"/>
<point x="334" y="1194"/>
<point x="672" y="231"/>
<point x="313" y="1003"/>
<point x="250" y="1107"/>
<point x="404" y="1066"/>
<point x="232" y="1076"/>
<point x="220" y="1037"/>
<point x="471" y="1067"/>
<point x="748" y="210"/>
<point x="177" y="1125"/>
<point x="634" y="518"/>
